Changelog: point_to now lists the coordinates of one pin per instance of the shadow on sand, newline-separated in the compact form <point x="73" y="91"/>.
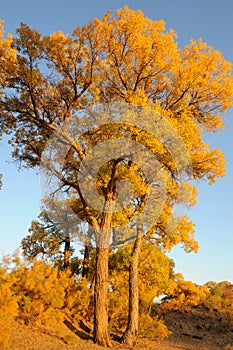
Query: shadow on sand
<point x="81" y="334"/>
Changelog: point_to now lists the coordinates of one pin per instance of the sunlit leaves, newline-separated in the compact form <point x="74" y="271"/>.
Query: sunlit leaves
<point x="7" y="57"/>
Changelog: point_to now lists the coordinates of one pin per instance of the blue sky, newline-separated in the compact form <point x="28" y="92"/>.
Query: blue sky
<point x="211" y="20"/>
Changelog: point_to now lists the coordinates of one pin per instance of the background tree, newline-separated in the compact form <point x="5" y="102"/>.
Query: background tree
<point x="155" y="273"/>
<point x="46" y="241"/>
<point x="53" y="236"/>
<point x="220" y="295"/>
<point x="183" y="294"/>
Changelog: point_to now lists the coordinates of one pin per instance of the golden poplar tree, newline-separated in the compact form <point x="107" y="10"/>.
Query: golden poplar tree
<point x="124" y="58"/>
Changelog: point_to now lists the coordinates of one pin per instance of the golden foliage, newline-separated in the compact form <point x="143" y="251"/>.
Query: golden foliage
<point x="151" y="328"/>
<point x="220" y="296"/>
<point x="8" y="306"/>
<point x="185" y="294"/>
<point x="126" y="57"/>
<point x="39" y="293"/>
<point x="155" y="273"/>
<point x="7" y="57"/>
<point x="43" y="296"/>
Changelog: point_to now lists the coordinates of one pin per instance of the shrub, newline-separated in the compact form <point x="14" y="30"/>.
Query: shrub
<point x="228" y="347"/>
<point x="8" y="307"/>
<point x="152" y="328"/>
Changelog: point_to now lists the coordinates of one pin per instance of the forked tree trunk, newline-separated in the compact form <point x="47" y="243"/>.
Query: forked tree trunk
<point x="131" y="333"/>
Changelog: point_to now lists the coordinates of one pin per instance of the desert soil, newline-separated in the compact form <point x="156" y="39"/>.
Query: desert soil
<point x="29" y="338"/>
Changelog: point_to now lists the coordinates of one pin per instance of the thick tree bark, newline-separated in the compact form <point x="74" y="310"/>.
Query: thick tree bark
<point x="131" y="333"/>
<point x="101" y="335"/>
<point x="103" y="234"/>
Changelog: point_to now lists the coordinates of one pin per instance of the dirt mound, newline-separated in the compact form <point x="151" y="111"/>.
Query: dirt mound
<point x="201" y="324"/>
<point x="190" y="332"/>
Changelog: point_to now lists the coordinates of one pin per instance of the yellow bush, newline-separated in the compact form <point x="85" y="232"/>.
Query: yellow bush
<point x="228" y="347"/>
<point x="8" y="307"/>
<point x="152" y="328"/>
<point x="5" y="333"/>
<point x="42" y="292"/>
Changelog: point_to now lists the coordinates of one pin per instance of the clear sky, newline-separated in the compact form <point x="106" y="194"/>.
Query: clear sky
<point x="210" y="19"/>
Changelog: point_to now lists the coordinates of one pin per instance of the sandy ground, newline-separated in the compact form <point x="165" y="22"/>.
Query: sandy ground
<point x="28" y="338"/>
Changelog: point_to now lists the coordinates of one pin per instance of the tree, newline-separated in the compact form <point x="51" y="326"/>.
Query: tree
<point x="184" y="294"/>
<point x="46" y="239"/>
<point x="52" y="237"/>
<point x="220" y="296"/>
<point x="126" y="58"/>
<point x="155" y="274"/>
<point x="185" y="84"/>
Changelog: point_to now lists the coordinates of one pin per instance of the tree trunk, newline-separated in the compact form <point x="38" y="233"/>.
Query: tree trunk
<point x="85" y="268"/>
<point x="101" y="335"/>
<point x="87" y="250"/>
<point x="67" y="252"/>
<point x="131" y="333"/>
